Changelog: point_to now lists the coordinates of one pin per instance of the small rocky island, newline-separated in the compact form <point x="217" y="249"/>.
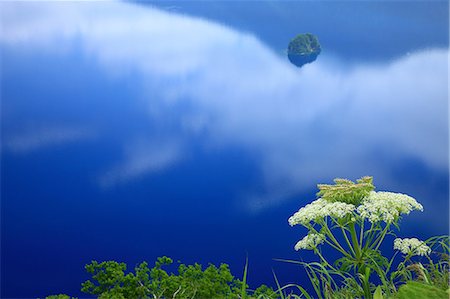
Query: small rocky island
<point x="303" y="49"/>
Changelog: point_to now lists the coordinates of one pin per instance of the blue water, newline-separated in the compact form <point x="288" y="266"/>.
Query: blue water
<point x="136" y="130"/>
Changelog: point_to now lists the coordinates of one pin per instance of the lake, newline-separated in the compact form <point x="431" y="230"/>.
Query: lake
<point x="132" y="130"/>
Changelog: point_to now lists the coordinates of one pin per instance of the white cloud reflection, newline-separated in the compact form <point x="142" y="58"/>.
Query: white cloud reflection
<point x="40" y="138"/>
<point x="143" y="157"/>
<point x="306" y="124"/>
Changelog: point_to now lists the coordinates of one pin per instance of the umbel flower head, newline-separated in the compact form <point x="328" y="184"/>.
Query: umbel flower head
<point x="412" y="246"/>
<point x="387" y="206"/>
<point x="358" y="200"/>
<point x="336" y="201"/>
<point x="320" y="209"/>
<point x="310" y="242"/>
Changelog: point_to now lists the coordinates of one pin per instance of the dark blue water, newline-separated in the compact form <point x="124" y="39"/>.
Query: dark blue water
<point x="136" y="130"/>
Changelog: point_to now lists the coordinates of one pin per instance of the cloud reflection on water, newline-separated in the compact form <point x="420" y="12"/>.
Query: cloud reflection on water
<point x="306" y="125"/>
<point x="46" y="137"/>
<point x="141" y="158"/>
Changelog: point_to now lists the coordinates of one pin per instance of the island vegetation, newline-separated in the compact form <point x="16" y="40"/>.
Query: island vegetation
<point x="303" y="49"/>
<point x="348" y="217"/>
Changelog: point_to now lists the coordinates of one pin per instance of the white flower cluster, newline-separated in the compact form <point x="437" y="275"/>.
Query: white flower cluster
<point x="413" y="245"/>
<point x="320" y="208"/>
<point x="387" y="206"/>
<point x="310" y="242"/>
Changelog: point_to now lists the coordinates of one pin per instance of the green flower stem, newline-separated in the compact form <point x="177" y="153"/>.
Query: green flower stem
<point x="381" y="237"/>
<point x="331" y="236"/>
<point x="407" y="258"/>
<point x="356" y="246"/>
<point x="365" y="271"/>
<point x="348" y="241"/>
<point x="401" y="268"/>
<point x="361" y="233"/>
<point x="316" y="251"/>
<point x="343" y="229"/>
<point x="338" y="247"/>
<point x="370" y="236"/>
<point x="365" y="282"/>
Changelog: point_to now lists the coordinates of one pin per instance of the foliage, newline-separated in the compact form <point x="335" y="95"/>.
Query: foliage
<point x="435" y="272"/>
<point x="192" y="281"/>
<point x="303" y="49"/>
<point x="414" y="289"/>
<point x="304" y="44"/>
<point x="378" y="294"/>
<point x="348" y="217"/>
<point x="354" y="220"/>
<point x="265" y="292"/>
<point x="60" y="296"/>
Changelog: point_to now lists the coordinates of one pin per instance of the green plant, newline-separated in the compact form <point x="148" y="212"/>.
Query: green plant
<point x="378" y="294"/>
<point x="414" y="289"/>
<point x="434" y="273"/>
<point x="350" y="217"/>
<point x="109" y="280"/>
<point x="60" y="296"/>
<point x="354" y="220"/>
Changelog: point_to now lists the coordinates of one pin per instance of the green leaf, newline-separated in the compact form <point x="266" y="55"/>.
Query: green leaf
<point x="378" y="294"/>
<point x="244" y="280"/>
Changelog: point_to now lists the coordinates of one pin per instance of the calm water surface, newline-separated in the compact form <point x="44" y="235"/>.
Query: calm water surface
<point x="136" y="130"/>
